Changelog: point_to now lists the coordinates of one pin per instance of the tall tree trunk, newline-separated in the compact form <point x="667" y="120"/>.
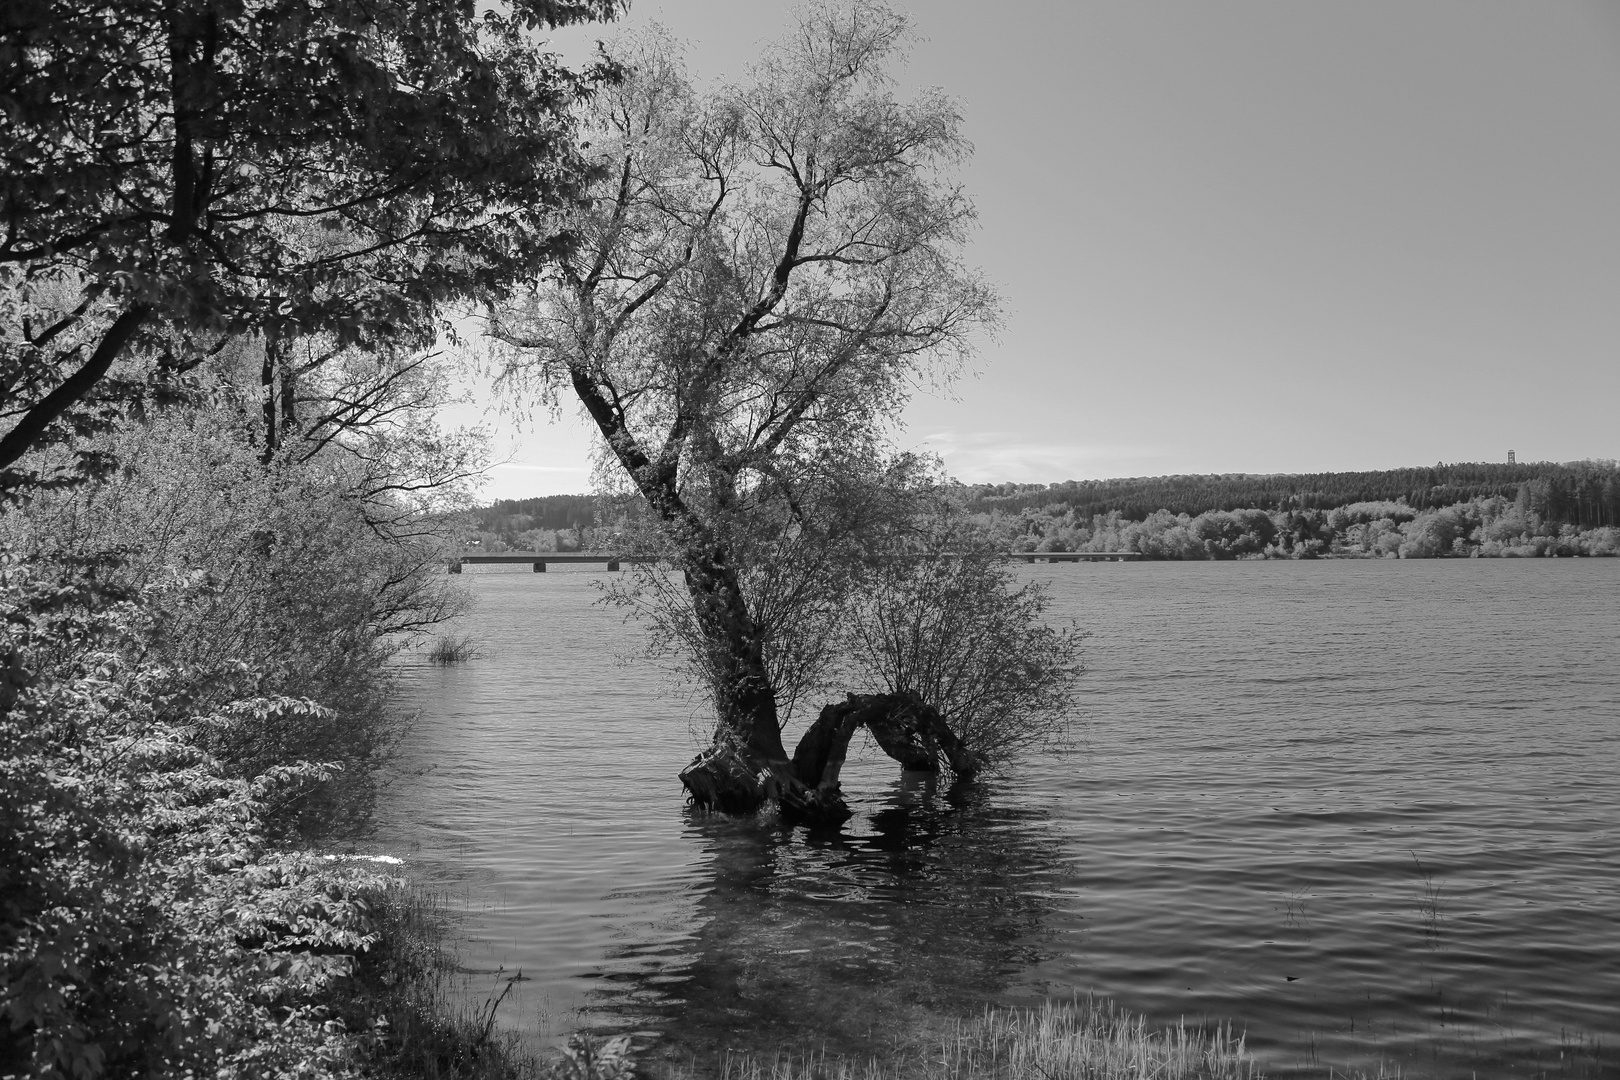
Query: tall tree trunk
<point x="278" y="393"/>
<point x="267" y="395"/>
<point x="289" y="397"/>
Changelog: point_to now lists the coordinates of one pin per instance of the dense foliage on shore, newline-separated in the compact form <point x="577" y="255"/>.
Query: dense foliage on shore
<point x="235" y="234"/>
<point x="193" y="713"/>
<point x="152" y="926"/>
<point x="511" y="518"/>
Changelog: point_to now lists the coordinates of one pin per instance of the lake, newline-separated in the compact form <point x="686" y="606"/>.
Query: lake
<point x="1367" y="810"/>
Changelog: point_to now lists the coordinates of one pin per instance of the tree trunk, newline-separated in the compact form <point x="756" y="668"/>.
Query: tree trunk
<point x="289" y="398"/>
<point x="267" y="396"/>
<point x="747" y="767"/>
<point x="744" y="696"/>
<point x="278" y="391"/>
<point x="732" y="778"/>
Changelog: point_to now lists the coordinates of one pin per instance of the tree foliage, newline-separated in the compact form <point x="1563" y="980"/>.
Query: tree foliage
<point x="179" y="173"/>
<point x="799" y="567"/>
<point x="289" y="580"/>
<point x="945" y="619"/>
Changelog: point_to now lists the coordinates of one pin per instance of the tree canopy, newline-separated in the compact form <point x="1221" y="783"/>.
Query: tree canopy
<point x="180" y="172"/>
<point x="762" y="272"/>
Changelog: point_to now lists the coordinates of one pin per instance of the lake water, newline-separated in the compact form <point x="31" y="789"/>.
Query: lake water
<point x="1368" y="811"/>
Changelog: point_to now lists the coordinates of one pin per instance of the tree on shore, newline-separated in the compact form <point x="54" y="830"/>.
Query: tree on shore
<point x="761" y="276"/>
<point x="181" y="173"/>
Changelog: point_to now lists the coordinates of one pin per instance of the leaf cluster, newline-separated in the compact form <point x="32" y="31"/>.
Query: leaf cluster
<point x="148" y="924"/>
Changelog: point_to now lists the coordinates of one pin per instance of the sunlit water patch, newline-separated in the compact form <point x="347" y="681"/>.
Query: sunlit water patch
<point x="1368" y="810"/>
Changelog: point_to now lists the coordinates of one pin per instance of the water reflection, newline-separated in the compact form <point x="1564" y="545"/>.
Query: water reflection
<point x="1272" y="745"/>
<point x="850" y="940"/>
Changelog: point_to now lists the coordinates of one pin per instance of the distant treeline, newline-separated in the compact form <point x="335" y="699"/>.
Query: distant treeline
<point x="550" y="523"/>
<point x="1585" y="494"/>
<point x="1447" y="510"/>
<point x="509" y="517"/>
<point x="1490" y="527"/>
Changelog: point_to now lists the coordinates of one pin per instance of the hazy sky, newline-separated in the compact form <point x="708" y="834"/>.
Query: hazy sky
<point x="1256" y="236"/>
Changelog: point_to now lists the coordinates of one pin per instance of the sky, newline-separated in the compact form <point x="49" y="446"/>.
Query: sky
<point x="1261" y="237"/>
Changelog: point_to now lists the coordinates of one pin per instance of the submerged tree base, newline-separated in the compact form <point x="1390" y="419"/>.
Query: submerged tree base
<point x="732" y="779"/>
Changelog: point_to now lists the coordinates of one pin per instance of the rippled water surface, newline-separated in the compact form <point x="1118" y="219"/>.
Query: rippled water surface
<point x="1369" y="811"/>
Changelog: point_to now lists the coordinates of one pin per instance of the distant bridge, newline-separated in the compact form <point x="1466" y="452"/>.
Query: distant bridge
<point x="1075" y="556"/>
<point x="540" y="559"/>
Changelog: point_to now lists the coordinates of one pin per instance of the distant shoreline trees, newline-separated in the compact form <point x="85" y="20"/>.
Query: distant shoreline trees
<point x="1524" y="511"/>
<point x="1488" y="528"/>
<point x="1449" y="511"/>
<point x="1585" y="494"/>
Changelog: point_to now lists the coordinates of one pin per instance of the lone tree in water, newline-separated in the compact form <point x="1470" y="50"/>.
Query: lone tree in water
<point x="760" y="279"/>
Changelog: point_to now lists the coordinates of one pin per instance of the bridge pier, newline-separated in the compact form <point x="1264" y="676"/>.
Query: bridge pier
<point x="455" y="567"/>
<point x="539" y="566"/>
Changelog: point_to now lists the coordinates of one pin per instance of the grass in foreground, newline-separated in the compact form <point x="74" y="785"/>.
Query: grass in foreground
<point x="400" y="1005"/>
<point x="1085" y="1039"/>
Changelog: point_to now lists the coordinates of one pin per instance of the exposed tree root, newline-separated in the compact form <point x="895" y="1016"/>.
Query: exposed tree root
<point x="734" y="780"/>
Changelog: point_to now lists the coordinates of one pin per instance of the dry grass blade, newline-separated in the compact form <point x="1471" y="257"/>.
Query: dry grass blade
<point x="1085" y="1039"/>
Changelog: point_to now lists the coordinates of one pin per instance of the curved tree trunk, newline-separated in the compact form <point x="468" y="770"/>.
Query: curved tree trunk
<point x="744" y="697"/>
<point x="732" y="778"/>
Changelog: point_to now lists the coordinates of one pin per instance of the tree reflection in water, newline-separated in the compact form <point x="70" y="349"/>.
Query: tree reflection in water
<point x="853" y="940"/>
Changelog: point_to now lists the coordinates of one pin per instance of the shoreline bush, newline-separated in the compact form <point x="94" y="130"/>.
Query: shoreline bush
<point x="160" y="916"/>
<point x="152" y="926"/>
<point x="193" y="696"/>
<point x="263" y="581"/>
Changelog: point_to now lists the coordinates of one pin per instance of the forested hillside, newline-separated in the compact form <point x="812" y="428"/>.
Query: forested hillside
<point x="508" y="518"/>
<point x="1583" y="493"/>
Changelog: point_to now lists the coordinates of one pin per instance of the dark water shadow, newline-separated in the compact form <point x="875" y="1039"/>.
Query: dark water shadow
<point x="859" y="940"/>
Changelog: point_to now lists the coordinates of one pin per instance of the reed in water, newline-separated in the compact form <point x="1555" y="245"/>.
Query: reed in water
<point x="453" y="650"/>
